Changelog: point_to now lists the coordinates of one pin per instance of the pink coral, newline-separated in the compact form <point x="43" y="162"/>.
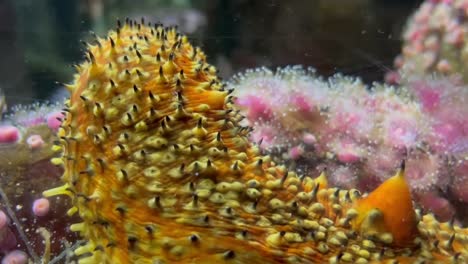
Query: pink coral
<point x="15" y="257"/>
<point x="54" y="120"/>
<point x="343" y="176"/>
<point x="438" y="205"/>
<point x="9" y="134"/>
<point x="35" y="141"/>
<point x="347" y="151"/>
<point x="258" y="108"/>
<point x="41" y="207"/>
<point x="36" y="114"/>
<point x="296" y="152"/>
<point x="435" y="41"/>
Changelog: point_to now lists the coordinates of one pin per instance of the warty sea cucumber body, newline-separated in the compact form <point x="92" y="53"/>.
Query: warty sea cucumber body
<point x="160" y="171"/>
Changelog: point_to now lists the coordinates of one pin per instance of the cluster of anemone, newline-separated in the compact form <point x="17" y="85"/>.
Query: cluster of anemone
<point x="360" y="133"/>
<point x="22" y="124"/>
<point x="443" y="102"/>
<point x="27" y="133"/>
<point x="435" y="40"/>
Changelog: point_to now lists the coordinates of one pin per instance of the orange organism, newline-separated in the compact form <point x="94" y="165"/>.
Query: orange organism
<point x="160" y="171"/>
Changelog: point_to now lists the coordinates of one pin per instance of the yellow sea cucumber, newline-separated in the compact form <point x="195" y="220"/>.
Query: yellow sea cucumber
<point x="160" y="171"/>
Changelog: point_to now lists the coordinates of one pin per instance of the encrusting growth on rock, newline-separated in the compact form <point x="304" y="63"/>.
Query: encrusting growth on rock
<point x="160" y="171"/>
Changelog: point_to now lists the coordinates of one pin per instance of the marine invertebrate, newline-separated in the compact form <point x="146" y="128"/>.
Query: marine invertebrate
<point x="435" y="40"/>
<point x="53" y="120"/>
<point x="9" y="134"/>
<point x="41" y="207"/>
<point x="423" y="121"/>
<point x="160" y="170"/>
<point x="443" y="102"/>
<point x="15" y="257"/>
<point x="35" y="141"/>
<point x="36" y="114"/>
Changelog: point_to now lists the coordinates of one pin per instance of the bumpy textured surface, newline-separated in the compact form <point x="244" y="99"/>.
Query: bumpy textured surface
<point x="160" y="171"/>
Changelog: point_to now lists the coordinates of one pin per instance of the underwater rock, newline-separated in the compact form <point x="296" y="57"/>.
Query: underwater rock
<point x="25" y="171"/>
<point x="160" y="170"/>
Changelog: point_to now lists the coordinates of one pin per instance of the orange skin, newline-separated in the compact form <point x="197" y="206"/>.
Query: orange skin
<point x="399" y="216"/>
